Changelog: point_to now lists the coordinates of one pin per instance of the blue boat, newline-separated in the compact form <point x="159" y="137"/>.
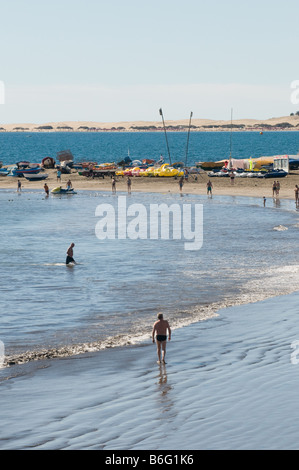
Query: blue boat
<point x="275" y="174"/>
<point x="36" y="177"/>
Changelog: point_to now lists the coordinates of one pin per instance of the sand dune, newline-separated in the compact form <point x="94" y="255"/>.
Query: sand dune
<point x="199" y="124"/>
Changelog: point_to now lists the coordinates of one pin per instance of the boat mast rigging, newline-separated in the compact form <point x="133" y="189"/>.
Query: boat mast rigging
<point x="161" y="114"/>
<point x="191" y="114"/>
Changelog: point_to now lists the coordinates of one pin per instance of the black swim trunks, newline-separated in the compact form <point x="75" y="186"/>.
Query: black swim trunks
<point x="161" y="338"/>
<point x="69" y="260"/>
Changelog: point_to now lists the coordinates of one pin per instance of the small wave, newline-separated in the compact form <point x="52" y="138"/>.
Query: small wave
<point x="203" y="313"/>
<point x="280" y="228"/>
<point x="54" y="264"/>
<point x="271" y="282"/>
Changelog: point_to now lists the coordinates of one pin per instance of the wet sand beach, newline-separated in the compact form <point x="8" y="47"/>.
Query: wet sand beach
<point x="229" y="383"/>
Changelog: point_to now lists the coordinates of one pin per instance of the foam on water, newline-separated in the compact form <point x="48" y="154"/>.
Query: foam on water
<point x="279" y="281"/>
<point x="112" y="297"/>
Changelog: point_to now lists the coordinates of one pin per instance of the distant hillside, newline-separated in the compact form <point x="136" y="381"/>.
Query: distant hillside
<point x="278" y="123"/>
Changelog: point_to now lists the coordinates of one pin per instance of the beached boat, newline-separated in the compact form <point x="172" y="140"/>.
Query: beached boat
<point x="60" y="190"/>
<point x="48" y="162"/>
<point x="26" y="171"/>
<point x="167" y="171"/>
<point x="209" y="166"/>
<point x="276" y="174"/>
<point x="36" y="177"/>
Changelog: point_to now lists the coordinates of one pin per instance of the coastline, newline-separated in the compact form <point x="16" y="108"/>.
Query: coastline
<point x="229" y="383"/>
<point x="198" y="125"/>
<point x="250" y="187"/>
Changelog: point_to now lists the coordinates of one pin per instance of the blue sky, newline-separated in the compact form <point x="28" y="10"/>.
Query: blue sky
<point x="120" y="60"/>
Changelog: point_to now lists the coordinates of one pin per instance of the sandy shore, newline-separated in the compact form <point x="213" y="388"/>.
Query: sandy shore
<point x="229" y="383"/>
<point x="252" y="187"/>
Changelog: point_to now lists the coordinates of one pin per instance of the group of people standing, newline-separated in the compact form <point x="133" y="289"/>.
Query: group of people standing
<point x="129" y="184"/>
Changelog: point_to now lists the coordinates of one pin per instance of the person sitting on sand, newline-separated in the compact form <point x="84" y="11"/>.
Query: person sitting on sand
<point x="70" y="254"/>
<point x="160" y="330"/>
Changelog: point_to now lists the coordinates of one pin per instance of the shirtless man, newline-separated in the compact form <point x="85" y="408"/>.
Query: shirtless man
<point x="181" y="183"/>
<point x="160" y="329"/>
<point x="129" y="183"/>
<point x="70" y="254"/>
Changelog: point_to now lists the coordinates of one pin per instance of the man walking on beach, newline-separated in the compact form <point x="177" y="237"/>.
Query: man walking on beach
<point x="70" y="254"/>
<point x="129" y="183"/>
<point x="160" y="330"/>
<point x="181" y="183"/>
<point x="209" y="188"/>
<point x="113" y="185"/>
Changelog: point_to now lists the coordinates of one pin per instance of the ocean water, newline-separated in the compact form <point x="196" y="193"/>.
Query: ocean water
<point x="113" y="147"/>
<point x="112" y="296"/>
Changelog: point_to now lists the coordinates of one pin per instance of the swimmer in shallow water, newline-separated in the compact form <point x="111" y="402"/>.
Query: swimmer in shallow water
<point x="160" y="331"/>
<point x="70" y="254"/>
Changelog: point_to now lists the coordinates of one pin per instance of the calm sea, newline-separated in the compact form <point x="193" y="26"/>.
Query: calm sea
<point x="112" y="296"/>
<point x="113" y="147"/>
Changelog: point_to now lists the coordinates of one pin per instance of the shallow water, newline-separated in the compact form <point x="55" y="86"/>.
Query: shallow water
<point x="229" y="383"/>
<point x="112" y="296"/>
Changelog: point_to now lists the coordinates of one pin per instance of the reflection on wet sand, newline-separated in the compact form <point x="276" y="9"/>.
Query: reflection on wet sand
<point x="163" y="387"/>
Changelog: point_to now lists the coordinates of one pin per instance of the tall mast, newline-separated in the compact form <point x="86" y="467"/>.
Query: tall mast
<point x="161" y="114"/>
<point x="191" y="114"/>
<point x="231" y="130"/>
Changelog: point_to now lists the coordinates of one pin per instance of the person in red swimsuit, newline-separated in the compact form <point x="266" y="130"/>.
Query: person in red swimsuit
<point x="160" y="331"/>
